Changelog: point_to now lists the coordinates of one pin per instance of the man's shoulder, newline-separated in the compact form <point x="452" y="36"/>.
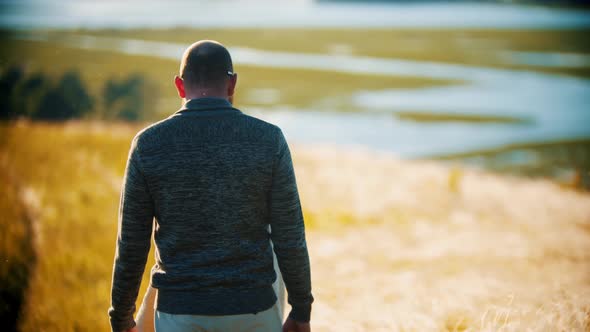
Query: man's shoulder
<point x="151" y="130"/>
<point x="253" y="123"/>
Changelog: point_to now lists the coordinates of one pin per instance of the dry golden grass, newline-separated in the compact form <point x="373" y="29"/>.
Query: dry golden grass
<point x="72" y="179"/>
<point x="16" y="246"/>
<point x="395" y="245"/>
<point x="434" y="248"/>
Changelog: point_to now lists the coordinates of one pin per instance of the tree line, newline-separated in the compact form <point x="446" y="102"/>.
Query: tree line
<point x="38" y="96"/>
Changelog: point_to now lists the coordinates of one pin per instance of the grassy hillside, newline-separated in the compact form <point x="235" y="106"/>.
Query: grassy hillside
<point x="72" y="182"/>
<point x="395" y="245"/>
<point x="16" y="246"/>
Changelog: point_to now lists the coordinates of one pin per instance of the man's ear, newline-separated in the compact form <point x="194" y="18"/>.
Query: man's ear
<point x="231" y="87"/>
<point x="179" y="82"/>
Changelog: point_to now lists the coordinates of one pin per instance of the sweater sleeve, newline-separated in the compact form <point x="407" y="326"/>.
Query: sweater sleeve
<point x="288" y="234"/>
<point x="136" y="212"/>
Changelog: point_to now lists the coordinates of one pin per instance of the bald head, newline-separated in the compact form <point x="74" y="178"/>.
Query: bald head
<point x="205" y="65"/>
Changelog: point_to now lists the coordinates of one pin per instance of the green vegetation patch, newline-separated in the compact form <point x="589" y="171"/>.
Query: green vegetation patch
<point x="456" y="117"/>
<point x="480" y="47"/>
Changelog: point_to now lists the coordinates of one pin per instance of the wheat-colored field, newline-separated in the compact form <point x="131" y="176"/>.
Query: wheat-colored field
<point x="433" y="248"/>
<point x="395" y="245"/>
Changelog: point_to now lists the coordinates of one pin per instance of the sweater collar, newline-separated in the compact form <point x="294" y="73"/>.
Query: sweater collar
<point x="205" y="103"/>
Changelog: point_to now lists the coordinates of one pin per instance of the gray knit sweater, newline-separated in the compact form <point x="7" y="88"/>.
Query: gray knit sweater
<point x="214" y="179"/>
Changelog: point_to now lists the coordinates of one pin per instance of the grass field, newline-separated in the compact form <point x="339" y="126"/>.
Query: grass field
<point x="395" y="245"/>
<point x="69" y="183"/>
<point x="473" y="47"/>
<point x="16" y="247"/>
<point x="429" y="117"/>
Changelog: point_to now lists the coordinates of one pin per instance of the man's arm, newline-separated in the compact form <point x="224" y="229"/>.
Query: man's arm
<point x="136" y="212"/>
<point x="288" y="234"/>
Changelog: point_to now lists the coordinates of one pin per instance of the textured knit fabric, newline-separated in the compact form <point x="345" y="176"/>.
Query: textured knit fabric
<point x="214" y="179"/>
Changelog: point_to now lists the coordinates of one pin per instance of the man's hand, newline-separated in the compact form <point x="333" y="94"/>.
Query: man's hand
<point x="133" y="329"/>
<point x="293" y="326"/>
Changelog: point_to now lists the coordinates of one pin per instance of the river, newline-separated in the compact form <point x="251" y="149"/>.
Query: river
<point x="553" y="107"/>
